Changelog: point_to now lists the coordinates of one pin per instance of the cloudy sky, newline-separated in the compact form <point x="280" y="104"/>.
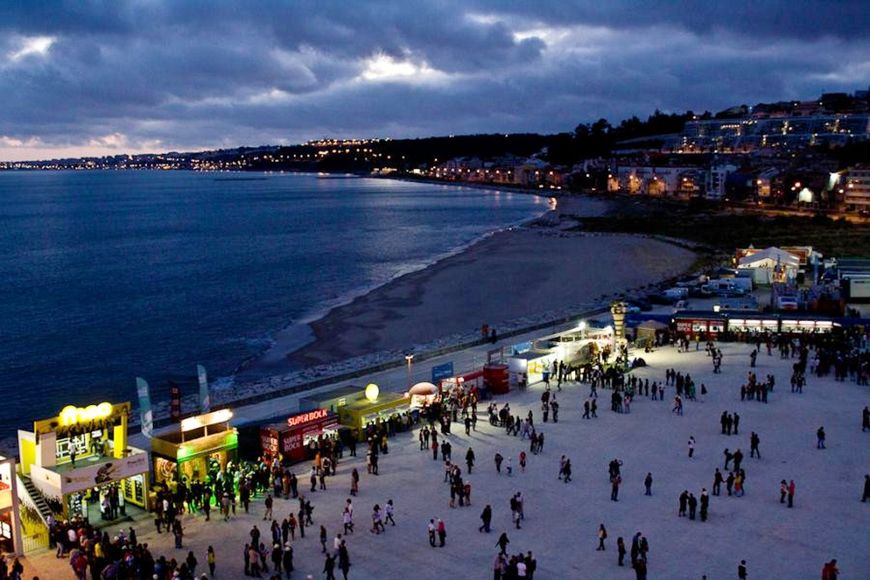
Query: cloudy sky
<point x="84" y="78"/>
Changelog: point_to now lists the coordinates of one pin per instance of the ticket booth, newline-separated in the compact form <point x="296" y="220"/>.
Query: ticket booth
<point x="82" y="465"/>
<point x="297" y="438"/>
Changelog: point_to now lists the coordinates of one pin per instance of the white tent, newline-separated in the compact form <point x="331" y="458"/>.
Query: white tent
<point x="770" y="264"/>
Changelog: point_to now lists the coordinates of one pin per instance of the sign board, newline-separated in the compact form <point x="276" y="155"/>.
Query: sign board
<point x="308" y="417"/>
<point x="441" y="372"/>
<point x="110" y="471"/>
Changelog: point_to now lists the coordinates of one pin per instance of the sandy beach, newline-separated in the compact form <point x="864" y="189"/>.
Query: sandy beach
<point x="512" y="274"/>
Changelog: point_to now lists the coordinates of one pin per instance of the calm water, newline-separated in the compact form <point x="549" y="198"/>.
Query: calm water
<point x="105" y="276"/>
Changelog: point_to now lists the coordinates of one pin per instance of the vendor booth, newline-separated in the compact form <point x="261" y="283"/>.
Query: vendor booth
<point x="422" y="395"/>
<point x="332" y="399"/>
<point x="10" y="525"/>
<point x="198" y="446"/>
<point x="529" y="367"/>
<point x="297" y="438"/>
<point x="376" y="408"/>
<point x="82" y="465"/>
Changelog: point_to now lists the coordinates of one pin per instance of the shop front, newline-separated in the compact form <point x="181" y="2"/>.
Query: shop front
<point x="82" y="465"/>
<point x="529" y="367"/>
<point x="376" y="410"/>
<point x="200" y="446"/>
<point x="10" y="525"/>
<point x="298" y="438"/>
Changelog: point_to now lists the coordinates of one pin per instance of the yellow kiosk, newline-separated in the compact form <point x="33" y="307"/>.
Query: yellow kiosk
<point x="82" y="465"/>
<point x="375" y="408"/>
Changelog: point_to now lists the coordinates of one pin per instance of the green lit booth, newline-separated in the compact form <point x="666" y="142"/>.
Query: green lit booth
<point x="200" y="445"/>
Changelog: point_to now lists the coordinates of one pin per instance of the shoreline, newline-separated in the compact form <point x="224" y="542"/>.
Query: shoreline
<point x="417" y="308"/>
<point x="300" y="333"/>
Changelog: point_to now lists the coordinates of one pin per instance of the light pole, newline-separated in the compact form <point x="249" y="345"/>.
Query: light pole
<point x="409" y="358"/>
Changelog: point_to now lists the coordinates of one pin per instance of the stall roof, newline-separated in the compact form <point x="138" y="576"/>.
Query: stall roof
<point x="531" y="354"/>
<point x="335" y="393"/>
<point x="772" y="253"/>
<point x="384" y="399"/>
<point x="652" y="325"/>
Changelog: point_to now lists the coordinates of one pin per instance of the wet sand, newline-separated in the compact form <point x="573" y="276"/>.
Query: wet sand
<point x="512" y="274"/>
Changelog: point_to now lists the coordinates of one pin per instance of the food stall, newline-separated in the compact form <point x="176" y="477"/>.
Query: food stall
<point x="375" y="408"/>
<point x="528" y="367"/>
<point x="422" y="395"/>
<point x="296" y="438"/>
<point x="81" y="463"/>
<point x="10" y="524"/>
<point x="198" y="445"/>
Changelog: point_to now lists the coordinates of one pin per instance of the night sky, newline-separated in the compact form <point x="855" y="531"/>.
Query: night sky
<point x="94" y="78"/>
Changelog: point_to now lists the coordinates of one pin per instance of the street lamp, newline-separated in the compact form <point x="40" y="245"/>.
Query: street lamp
<point x="409" y="358"/>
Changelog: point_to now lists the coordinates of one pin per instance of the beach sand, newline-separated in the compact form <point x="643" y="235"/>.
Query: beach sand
<point x="512" y="274"/>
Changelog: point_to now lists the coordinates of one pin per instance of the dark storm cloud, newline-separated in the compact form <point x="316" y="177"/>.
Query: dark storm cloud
<point x="153" y="74"/>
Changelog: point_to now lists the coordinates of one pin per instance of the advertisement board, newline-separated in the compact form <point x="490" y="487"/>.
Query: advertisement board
<point x="110" y="471"/>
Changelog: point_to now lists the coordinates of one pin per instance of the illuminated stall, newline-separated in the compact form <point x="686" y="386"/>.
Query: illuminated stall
<point x="10" y="525"/>
<point x="82" y="465"/>
<point x="200" y="444"/>
<point x="528" y="367"/>
<point x="297" y="438"/>
<point x="376" y="408"/>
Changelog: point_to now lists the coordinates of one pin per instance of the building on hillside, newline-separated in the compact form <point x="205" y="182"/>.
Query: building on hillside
<point x="855" y="184"/>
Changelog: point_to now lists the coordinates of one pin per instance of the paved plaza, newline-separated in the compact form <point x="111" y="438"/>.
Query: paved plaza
<point x="561" y="520"/>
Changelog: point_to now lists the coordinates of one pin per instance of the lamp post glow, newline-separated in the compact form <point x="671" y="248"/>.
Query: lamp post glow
<point x="409" y="358"/>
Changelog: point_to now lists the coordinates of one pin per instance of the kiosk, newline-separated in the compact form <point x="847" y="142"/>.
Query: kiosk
<point x="10" y="524"/>
<point x="82" y="465"/>
<point x="373" y="410"/>
<point x="297" y="438"/>
<point x="199" y="445"/>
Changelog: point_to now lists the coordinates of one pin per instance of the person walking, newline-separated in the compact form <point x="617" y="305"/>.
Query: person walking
<point x="742" y="572"/>
<point x="820" y="436"/>
<point x="614" y="487"/>
<point x="705" y="504"/>
<point x="268" y="504"/>
<point x="602" y="535"/>
<point x="691" y="446"/>
<point x="754" y="440"/>
<point x="498" y="460"/>
<point x="431" y="528"/>
<point x="210" y="560"/>
<point x="866" y="495"/>
<point x="620" y="551"/>
<point x="486" y="518"/>
<point x="717" y="482"/>
<point x="502" y="543"/>
<point x="783" y="490"/>
<point x="329" y="567"/>
<point x="442" y="532"/>
<point x="791" y="490"/>
<point x="469" y="459"/>
<point x="388" y="511"/>
<point x="647" y="484"/>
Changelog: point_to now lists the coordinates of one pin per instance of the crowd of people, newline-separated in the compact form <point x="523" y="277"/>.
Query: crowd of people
<point x="271" y="551"/>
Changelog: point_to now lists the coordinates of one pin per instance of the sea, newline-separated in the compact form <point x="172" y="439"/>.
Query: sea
<point x="109" y="276"/>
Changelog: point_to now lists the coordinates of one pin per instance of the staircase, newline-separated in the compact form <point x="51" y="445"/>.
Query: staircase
<point x="37" y="498"/>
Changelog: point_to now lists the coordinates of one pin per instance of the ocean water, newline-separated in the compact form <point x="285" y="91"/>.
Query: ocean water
<point x="106" y="276"/>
